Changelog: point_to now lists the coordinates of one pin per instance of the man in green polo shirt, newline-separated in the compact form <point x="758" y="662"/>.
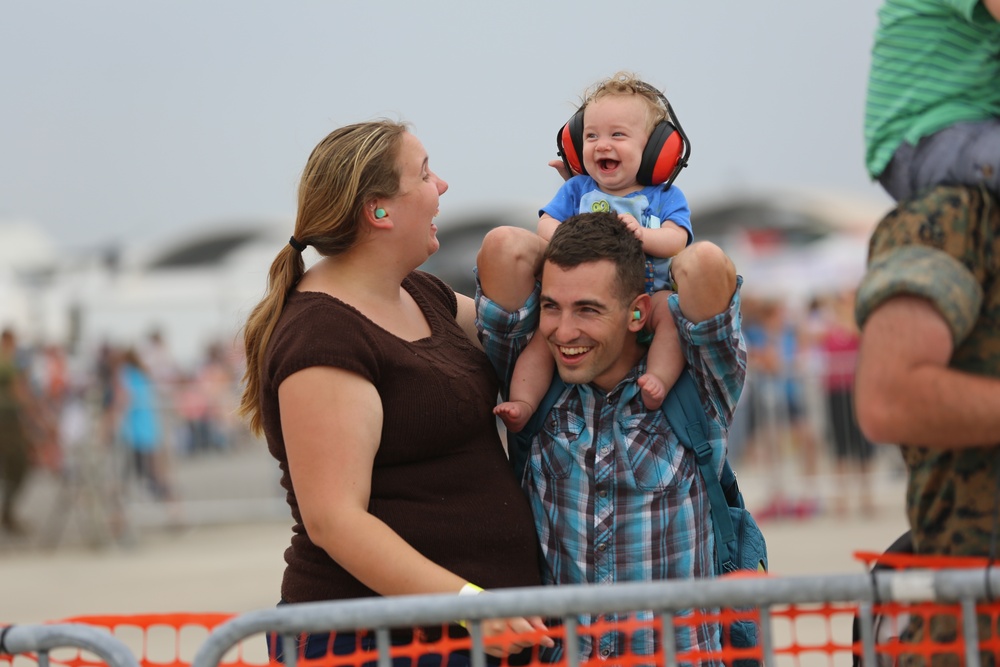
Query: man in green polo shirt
<point x="932" y="114"/>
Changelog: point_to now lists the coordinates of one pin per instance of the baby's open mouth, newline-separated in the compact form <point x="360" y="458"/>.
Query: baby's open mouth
<point x="607" y="165"/>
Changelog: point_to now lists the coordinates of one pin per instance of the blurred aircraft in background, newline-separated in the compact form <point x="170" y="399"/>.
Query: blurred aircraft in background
<point x="199" y="289"/>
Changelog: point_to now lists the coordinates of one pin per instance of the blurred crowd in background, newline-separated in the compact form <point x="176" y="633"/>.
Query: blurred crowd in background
<point x="114" y="420"/>
<point x="796" y="417"/>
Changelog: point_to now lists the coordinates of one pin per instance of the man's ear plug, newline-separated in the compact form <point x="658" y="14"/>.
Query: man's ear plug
<point x="636" y="314"/>
<point x="380" y="213"/>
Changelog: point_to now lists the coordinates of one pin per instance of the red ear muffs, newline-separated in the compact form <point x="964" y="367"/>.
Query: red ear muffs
<point x="569" y="141"/>
<point x="666" y="153"/>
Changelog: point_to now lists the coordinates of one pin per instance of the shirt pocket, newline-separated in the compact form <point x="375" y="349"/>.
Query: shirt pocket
<point x="558" y="445"/>
<point x="650" y="452"/>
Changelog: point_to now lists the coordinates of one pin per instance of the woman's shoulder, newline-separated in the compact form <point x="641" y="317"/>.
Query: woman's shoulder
<point x="435" y="290"/>
<point x="309" y="310"/>
<point x="316" y="329"/>
<point x="308" y="318"/>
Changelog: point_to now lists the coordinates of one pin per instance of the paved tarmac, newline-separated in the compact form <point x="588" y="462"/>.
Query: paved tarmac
<point x="221" y="548"/>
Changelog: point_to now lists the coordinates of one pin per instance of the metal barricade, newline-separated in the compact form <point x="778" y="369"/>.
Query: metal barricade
<point x="804" y="621"/>
<point x="780" y="605"/>
<point x="38" y="641"/>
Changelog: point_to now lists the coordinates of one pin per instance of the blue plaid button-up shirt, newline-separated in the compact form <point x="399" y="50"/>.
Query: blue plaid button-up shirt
<point x="615" y="496"/>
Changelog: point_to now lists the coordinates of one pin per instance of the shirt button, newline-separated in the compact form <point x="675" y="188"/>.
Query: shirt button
<point x="605" y="450"/>
<point x="602" y="493"/>
<point x="605" y="652"/>
<point x="603" y="546"/>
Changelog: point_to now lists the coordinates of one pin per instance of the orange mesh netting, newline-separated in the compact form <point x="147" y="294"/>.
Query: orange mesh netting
<point x="171" y="640"/>
<point x="803" y="634"/>
<point x="157" y="640"/>
<point x="931" y="631"/>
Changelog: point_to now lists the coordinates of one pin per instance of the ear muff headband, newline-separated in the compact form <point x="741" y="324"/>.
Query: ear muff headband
<point x="666" y="153"/>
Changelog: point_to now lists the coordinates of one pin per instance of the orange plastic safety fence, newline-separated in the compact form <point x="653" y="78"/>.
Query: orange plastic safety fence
<point x="933" y="631"/>
<point x="907" y="561"/>
<point x="944" y="641"/>
<point x="157" y="640"/>
<point x="802" y="635"/>
<point x="171" y="640"/>
<point x="812" y="634"/>
<point x="624" y="630"/>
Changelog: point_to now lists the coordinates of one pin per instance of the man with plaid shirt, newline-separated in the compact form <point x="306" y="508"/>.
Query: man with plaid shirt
<point x="615" y="496"/>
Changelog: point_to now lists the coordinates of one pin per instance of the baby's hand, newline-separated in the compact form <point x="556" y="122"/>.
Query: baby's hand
<point x="631" y="224"/>
<point x="561" y="167"/>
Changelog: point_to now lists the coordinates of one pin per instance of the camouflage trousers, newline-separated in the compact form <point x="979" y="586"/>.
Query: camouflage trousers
<point x="944" y="629"/>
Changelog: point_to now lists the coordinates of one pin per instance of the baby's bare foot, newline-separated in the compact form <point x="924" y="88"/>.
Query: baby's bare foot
<point x="514" y="414"/>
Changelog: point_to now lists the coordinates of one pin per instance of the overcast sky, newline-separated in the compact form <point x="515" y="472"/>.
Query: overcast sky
<point x="135" y="122"/>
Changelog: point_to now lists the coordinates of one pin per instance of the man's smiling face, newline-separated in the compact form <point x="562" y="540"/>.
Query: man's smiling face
<point x="586" y="324"/>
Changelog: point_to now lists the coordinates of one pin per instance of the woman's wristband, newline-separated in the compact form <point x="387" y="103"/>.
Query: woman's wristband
<point x="468" y="589"/>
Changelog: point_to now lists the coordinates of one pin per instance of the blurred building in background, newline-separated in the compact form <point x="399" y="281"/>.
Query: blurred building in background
<point x="195" y="290"/>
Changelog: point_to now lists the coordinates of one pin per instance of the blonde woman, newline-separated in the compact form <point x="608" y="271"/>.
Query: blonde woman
<point x="368" y="381"/>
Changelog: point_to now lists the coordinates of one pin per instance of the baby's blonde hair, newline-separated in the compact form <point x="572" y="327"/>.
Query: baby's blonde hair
<point x="627" y="83"/>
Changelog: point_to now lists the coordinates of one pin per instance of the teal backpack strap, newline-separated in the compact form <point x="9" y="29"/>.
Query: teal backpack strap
<point x="686" y="416"/>
<point x="519" y="444"/>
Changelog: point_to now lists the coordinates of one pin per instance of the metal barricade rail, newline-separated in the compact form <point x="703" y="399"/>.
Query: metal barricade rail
<point x="772" y="597"/>
<point x="803" y="621"/>
<point x="38" y="641"/>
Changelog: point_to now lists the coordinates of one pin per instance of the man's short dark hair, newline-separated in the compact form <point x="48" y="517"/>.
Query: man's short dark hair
<point x="591" y="237"/>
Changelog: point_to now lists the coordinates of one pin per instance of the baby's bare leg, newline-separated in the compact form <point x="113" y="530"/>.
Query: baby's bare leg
<point x="665" y="361"/>
<point x="531" y="380"/>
